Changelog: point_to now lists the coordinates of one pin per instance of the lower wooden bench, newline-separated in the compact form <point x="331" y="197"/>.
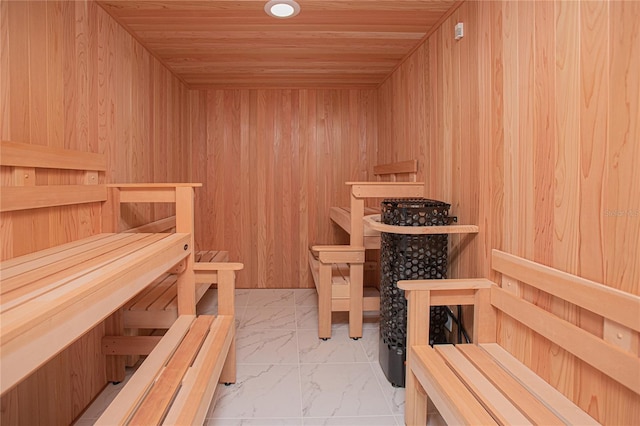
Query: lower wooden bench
<point x="483" y="383"/>
<point x="334" y="269"/>
<point x="157" y="305"/>
<point x="176" y="382"/>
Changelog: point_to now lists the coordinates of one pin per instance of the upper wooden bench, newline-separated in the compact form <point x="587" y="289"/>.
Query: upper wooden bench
<point x="53" y="296"/>
<point x="392" y="180"/>
<point x="482" y="383"/>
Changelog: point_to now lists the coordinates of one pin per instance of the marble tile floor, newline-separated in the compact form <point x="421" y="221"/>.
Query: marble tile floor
<point x="287" y="376"/>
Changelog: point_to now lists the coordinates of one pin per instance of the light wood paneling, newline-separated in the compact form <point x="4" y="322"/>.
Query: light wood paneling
<point x="533" y="134"/>
<point x="223" y="44"/>
<point x="72" y="78"/>
<point x="272" y="163"/>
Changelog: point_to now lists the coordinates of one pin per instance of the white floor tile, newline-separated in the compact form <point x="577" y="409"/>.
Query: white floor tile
<point x="103" y="400"/>
<point x="208" y="305"/>
<point x="265" y="318"/>
<point x="394" y="396"/>
<point x="256" y="346"/>
<point x="338" y="349"/>
<point x="306" y="297"/>
<point x="254" y="422"/>
<point x="242" y="296"/>
<point x="271" y="298"/>
<point x="262" y="391"/>
<point x="371" y="342"/>
<point x="348" y="389"/>
<point x="351" y="421"/>
<point x="307" y="318"/>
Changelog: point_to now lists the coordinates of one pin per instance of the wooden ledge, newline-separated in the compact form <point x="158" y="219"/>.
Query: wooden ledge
<point x="337" y="248"/>
<point x="399" y="184"/>
<point x="217" y="266"/>
<point x="373" y="221"/>
<point x="153" y="185"/>
<point x="447" y="284"/>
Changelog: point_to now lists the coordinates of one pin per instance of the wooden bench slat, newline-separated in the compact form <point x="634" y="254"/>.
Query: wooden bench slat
<point x="530" y="406"/>
<point x="459" y="406"/>
<point x="7" y="266"/>
<point x="149" y="295"/>
<point x="69" y="262"/>
<point x="137" y="387"/>
<point x="149" y="412"/>
<point x="496" y="403"/>
<point x="67" y="281"/>
<point x="200" y="383"/>
<point x="556" y="401"/>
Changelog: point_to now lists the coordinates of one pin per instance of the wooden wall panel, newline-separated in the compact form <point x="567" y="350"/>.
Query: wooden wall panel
<point x="272" y="163"/>
<point x="72" y="78"/>
<point x="533" y="134"/>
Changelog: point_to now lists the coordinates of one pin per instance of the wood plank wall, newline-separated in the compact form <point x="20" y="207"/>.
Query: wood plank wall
<point x="272" y="163"/>
<point x="529" y="126"/>
<point x="70" y="77"/>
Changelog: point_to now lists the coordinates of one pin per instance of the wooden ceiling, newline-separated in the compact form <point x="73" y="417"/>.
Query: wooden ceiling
<point x="234" y="43"/>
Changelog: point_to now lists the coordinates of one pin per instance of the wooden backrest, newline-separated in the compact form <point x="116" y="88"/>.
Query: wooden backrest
<point x="167" y="224"/>
<point x="43" y="176"/>
<point x="611" y="345"/>
<point x="406" y="170"/>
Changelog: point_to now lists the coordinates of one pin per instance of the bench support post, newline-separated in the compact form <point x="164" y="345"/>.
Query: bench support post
<point x="185" y="224"/>
<point x="418" y="313"/>
<point x="226" y="306"/>
<point x="115" y="364"/>
<point x="324" y="301"/>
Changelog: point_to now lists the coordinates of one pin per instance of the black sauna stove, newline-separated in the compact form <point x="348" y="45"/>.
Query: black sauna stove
<point x="409" y="257"/>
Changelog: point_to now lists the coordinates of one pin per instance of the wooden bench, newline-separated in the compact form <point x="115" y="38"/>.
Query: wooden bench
<point x="482" y="383"/>
<point x="157" y="305"/>
<point x="338" y="270"/>
<point x="52" y="297"/>
<point x="176" y="382"/>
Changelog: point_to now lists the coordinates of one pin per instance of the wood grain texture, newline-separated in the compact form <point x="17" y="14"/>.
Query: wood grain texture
<point x="71" y="78"/>
<point x="550" y="93"/>
<point x="273" y="162"/>
<point x="330" y="44"/>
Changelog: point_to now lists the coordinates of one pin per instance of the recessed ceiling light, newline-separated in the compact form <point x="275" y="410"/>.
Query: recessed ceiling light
<point x="282" y="8"/>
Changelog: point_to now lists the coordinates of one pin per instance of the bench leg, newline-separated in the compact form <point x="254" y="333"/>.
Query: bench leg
<point x="115" y="364"/>
<point x="226" y="306"/>
<point x="324" y="301"/>
<point x="356" y="275"/>
<point x="415" y="408"/>
<point x="228" y="374"/>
